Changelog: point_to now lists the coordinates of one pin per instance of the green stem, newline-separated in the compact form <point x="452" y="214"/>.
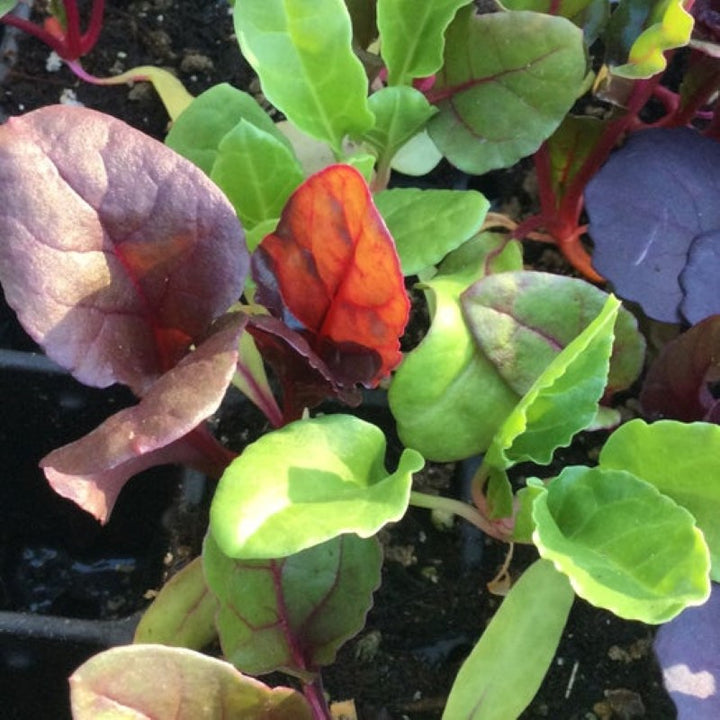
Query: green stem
<point x="456" y="507"/>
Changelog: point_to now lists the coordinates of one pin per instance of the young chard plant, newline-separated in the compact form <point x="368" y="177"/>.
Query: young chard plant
<point x="279" y="248"/>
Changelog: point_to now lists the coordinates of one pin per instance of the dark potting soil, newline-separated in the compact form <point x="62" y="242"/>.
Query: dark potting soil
<point x="431" y="606"/>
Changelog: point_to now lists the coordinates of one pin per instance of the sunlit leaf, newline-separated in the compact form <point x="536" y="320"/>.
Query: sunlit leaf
<point x="624" y="545"/>
<point x="506" y="667"/>
<point x="310" y="42"/>
<point x="682" y="460"/>
<point x="137" y="682"/>
<point x="306" y="483"/>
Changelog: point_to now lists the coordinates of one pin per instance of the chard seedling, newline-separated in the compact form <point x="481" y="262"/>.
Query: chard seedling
<point x="135" y="269"/>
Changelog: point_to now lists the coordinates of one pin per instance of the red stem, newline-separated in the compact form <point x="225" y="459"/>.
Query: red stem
<point x="72" y="30"/>
<point x="36" y="31"/>
<point x="94" y="26"/>
<point x="316" y="699"/>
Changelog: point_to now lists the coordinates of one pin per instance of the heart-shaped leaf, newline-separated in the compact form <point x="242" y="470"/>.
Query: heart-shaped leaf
<point x="294" y="613"/>
<point x="624" y="545"/>
<point x="508" y="80"/>
<point x="682" y="460"/>
<point x="648" y="206"/>
<point x="117" y="253"/>
<point x="306" y="483"/>
<point x="152" y="681"/>
<point x="92" y="471"/>
<point x="331" y="270"/>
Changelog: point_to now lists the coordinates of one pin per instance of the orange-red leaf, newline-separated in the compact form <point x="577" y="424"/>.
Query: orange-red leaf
<point x="331" y="265"/>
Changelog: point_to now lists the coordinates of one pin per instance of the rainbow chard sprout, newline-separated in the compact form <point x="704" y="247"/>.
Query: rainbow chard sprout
<point x="62" y="32"/>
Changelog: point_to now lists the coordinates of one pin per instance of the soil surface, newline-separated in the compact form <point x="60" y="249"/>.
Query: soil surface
<point x="433" y="603"/>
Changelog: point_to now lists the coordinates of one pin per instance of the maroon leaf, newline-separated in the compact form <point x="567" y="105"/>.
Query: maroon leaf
<point x="683" y="382"/>
<point x="331" y="271"/>
<point x="117" y="253"/>
<point x="305" y="377"/>
<point x="92" y="471"/>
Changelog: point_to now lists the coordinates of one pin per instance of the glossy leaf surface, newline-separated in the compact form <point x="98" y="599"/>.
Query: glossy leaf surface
<point x="447" y="398"/>
<point x="294" y="613"/>
<point x="331" y="270"/>
<point x="624" y="545"/>
<point x="506" y="667"/>
<point x="306" y="483"/>
<point x="92" y="470"/>
<point x="682" y="382"/>
<point x="413" y="36"/>
<point x="309" y="42"/>
<point x="508" y="80"/>
<point x="688" y="649"/>
<point x="183" y="612"/>
<point x="100" y="267"/>
<point x="136" y="682"/>
<point x="649" y="205"/>
<point x="428" y="224"/>
<point x="682" y="460"/>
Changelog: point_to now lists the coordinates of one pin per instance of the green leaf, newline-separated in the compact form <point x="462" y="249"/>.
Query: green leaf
<point x="561" y="402"/>
<point x="302" y="53"/>
<point x="624" y="545"/>
<point x="412" y="36"/>
<point x="508" y="80"/>
<point x="417" y="157"/>
<point x="199" y="130"/>
<point x="427" y="224"/>
<point x="448" y="399"/>
<point x="682" y="460"/>
<point x="6" y="6"/>
<point x="537" y="314"/>
<point x="256" y="171"/>
<point x="639" y="33"/>
<point x="590" y="15"/>
<point x="136" y="682"/>
<point x="183" y="613"/>
<point x="306" y="483"/>
<point x="400" y="113"/>
<point x="292" y="614"/>
<point x="507" y="666"/>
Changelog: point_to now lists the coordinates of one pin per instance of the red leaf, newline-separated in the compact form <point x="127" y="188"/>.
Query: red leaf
<point x="682" y="382"/>
<point x="92" y="470"/>
<point x="332" y="265"/>
<point x="116" y="252"/>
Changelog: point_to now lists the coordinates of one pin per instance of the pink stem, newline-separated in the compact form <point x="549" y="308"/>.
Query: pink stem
<point x="92" y="34"/>
<point x="36" y="31"/>
<point x="72" y="29"/>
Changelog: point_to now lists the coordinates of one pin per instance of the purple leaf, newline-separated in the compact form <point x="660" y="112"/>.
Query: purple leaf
<point x="688" y="649"/>
<point x="117" y="253"/>
<point x="700" y="279"/>
<point x="648" y="206"/>
<point x="681" y="382"/>
<point x="92" y="471"/>
<point x="305" y="377"/>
